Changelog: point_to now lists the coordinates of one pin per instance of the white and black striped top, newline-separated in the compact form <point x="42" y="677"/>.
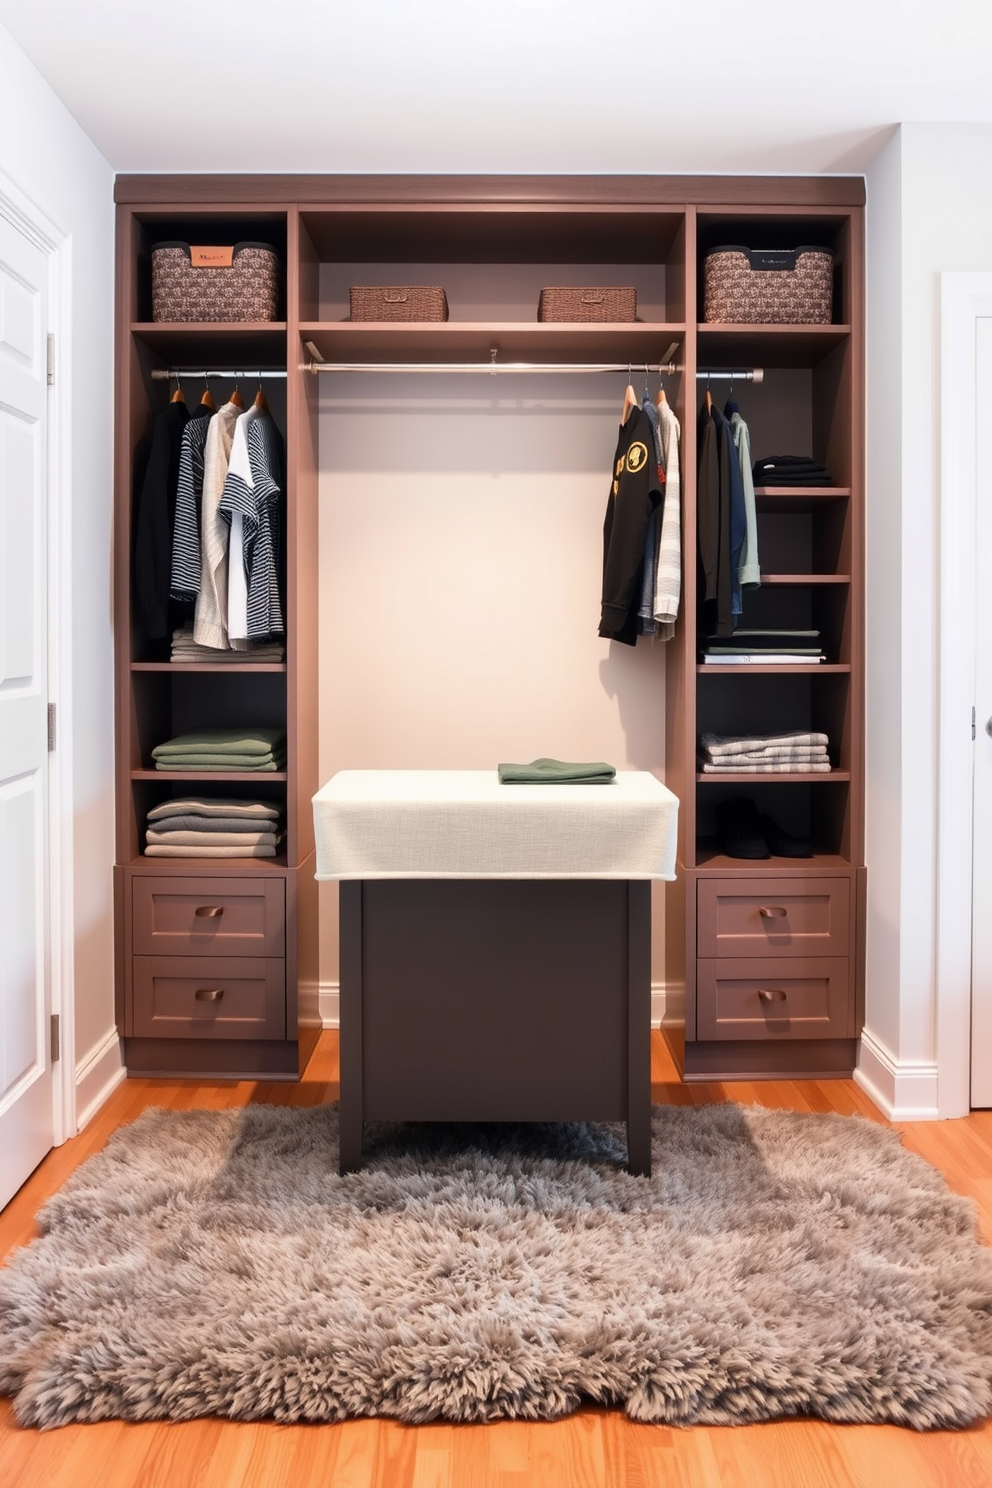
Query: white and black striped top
<point x="185" y="583"/>
<point x="259" y="505"/>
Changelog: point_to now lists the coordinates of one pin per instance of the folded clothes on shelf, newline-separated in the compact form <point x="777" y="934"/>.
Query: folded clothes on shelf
<point x="557" y="772"/>
<point x="223" y="749"/>
<point x="205" y="827"/>
<point x="783" y="753"/>
<point x="790" y="470"/>
<point x="185" y="649"/>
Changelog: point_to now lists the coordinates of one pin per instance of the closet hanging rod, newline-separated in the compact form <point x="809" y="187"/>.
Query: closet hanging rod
<point x="496" y="369"/>
<point x="751" y="374"/>
<point x="248" y="374"/>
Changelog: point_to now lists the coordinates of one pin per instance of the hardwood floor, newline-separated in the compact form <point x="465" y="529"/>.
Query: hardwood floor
<point x="593" y="1449"/>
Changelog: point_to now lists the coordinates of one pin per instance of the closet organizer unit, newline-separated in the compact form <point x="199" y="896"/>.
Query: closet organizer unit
<point x="494" y="243"/>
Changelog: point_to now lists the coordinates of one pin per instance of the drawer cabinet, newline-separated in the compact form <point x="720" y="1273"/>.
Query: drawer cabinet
<point x="208" y="917"/>
<point x="209" y="997"/>
<point x="774" y="917"/>
<point x="774" y="998"/>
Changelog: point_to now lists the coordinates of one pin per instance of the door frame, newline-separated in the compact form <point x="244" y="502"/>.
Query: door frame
<point x="30" y="220"/>
<point x="964" y="299"/>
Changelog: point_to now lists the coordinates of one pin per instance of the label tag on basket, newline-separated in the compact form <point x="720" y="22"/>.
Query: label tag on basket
<point x="211" y="258"/>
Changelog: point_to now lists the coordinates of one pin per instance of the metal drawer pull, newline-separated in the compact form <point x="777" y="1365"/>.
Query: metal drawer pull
<point x="772" y="911"/>
<point x="208" y="911"/>
<point x="214" y="994"/>
<point x="772" y="994"/>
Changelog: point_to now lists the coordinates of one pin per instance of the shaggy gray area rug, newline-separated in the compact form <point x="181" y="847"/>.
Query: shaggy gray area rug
<point x="214" y="1263"/>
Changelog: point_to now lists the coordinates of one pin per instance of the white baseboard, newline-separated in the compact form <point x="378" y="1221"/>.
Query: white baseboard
<point x="903" y="1091"/>
<point x="97" y="1077"/>
<point x="329" y="1002"/>
<point x="309" y="999"/>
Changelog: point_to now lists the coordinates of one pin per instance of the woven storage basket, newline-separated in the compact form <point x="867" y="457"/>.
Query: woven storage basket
<point x="768" y="286"/>
<point x="398" y="302"/>
<point x="587" y="302"/>
<point x="242" y="282"/>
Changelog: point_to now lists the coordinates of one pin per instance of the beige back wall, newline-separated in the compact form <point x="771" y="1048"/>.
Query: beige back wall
<point x="460" y="572"/>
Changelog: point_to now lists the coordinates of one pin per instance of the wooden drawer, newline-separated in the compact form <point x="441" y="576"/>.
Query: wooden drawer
<point x="773" y="917"/>
<point x="208" y="916"/>
<point x="775" y="998"/>
<point x="186" y="997"/>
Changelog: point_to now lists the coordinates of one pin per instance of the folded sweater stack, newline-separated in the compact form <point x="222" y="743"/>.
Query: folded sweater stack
<point x="794" y="753"/>
<point x="201" y="827"/>
<point x="790" y="470"/>
<point x="185" y="649"/>
<point x="223" y="749"/>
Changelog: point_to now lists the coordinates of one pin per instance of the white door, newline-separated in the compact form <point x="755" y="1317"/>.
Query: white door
<point x="26" y="1085"/>
<point x="981" y="956"/>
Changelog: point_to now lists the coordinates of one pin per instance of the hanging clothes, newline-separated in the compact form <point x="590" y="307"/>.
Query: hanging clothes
<point x="748" y="570"/>
<point x="185" y="583"/>
<point x="647" y="625"/>
<point x="210" y="618"/>
<point x="154" y="520"/>
<point x="252" y="501"/>
<point x="713" y="526"/>
<point x="668" y="585"/>
<point x="635" y="492"/>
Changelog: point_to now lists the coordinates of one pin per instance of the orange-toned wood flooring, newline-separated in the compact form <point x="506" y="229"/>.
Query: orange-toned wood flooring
<point x="592" y="1449"/>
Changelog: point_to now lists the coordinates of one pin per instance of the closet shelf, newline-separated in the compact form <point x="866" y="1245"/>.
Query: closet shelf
<point x="775" y="494"/>
<point x="206" y="776"/>
<point x="748" y="777"/>
<point x="251" y="343"/>
<point x="228" y="668"/>
<point x="345" y="340"/>
<point x="768" y="345"/>
<point x="804" y="578"/>
<point x="182" y="867"/>
<point x="710" y="857"/>
<point x="775" y="669"/>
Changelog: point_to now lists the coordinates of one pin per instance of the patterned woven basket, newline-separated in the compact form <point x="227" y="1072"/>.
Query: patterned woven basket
<point x="398" y="302"/>
<point x="773" y="286"/>
<point x="588" y="302"/>
<point x="242" y="282"/>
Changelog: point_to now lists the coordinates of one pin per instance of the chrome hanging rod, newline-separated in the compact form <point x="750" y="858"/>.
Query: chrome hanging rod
<point x="170" y="374"/>
<point x="752" y="374"/>
<point x="495" y="369"/>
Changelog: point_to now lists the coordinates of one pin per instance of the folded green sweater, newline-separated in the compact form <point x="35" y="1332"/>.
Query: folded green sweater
<point x="557" y="772"/>
<point x="239" y="741"/>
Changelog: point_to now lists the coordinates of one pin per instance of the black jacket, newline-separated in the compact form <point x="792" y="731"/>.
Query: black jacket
<point x="635" y="491"/>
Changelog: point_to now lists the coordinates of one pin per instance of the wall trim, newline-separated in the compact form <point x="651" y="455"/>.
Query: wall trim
<point x="963" y="299"/>
<point x="903" y="1091"/>
<point x="98" y="1076"/>
<point x="329" y="1002"/>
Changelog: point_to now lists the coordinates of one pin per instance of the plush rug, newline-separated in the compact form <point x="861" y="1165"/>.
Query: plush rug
<point x="214" y="1263"/>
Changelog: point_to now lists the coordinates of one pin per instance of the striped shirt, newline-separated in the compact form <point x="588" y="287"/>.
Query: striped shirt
<point x="185" y="580"/>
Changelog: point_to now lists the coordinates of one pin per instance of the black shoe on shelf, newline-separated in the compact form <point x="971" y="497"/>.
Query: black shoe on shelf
<point x="781" y="843"/>
<point x="738" y="831"/>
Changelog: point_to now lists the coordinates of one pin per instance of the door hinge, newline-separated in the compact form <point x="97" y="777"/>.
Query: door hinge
<point x="51" y="727"/>
<point x="56" y="1039"/>
<point x="51" y="359"/>
<point x="973" y="724"/>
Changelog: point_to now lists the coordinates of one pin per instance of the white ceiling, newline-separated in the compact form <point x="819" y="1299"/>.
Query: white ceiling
<point x="507" y="86"/>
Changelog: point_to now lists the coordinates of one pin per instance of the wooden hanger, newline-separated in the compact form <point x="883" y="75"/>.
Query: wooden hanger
<point x="261" y="402"/>
<point x="178" y="396"/>
<point x="709" y="401"/>
<point x="236" y="399"/>
<point x="629" y="403"/>
<point x="207" y="401"/>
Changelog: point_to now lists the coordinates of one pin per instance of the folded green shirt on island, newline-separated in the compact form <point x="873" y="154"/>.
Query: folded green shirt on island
<point x="557" y="772"/>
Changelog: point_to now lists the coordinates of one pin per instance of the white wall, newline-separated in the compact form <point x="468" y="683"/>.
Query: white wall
<point x="930" y="210"/>
<point x="460" y="576"/>
<point x="48" y="158"/>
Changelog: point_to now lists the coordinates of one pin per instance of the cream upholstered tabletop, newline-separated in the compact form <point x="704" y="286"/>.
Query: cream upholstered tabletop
<point x="464" y="824"/>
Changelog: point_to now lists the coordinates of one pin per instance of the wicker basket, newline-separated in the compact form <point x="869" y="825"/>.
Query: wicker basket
<point x="398" y="302"/>
<point x="239" y="282"/>
<point x="773" y="286"/>
<point x="587" y="302"/>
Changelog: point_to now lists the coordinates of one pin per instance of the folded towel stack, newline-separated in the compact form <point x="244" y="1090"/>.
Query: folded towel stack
<point x="557" y="772"/>
<point x="223" y="749"/>
<point x="790" y="470"/>
<point x="184" y="648"/>
<point x="794" y="753"/>
<point x="202" y="827"/>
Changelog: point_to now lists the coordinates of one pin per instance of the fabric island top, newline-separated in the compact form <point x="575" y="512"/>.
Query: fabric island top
<point x="464" y="824"/>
